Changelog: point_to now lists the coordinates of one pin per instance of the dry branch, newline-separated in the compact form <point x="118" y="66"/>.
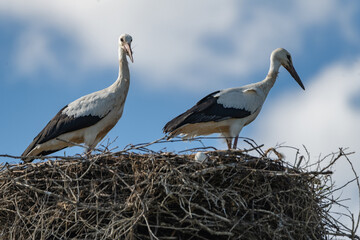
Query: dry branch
<point x="127" y="195"/>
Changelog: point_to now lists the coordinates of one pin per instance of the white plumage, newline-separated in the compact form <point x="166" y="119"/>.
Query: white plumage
<point x="200" y="157"/>
<point x="228" y="111"/>
<point x="88" y="119"/>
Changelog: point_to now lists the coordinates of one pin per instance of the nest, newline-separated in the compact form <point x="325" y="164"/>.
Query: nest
<point x="128" y="195"/>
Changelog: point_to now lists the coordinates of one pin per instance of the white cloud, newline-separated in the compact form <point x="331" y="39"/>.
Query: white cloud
<point x="33" y="53"/>
<point x="169" y="36"/>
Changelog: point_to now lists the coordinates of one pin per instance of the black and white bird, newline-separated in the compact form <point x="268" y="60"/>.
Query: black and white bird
<point x="88" y="119"/>
<point x="227" y="111"/>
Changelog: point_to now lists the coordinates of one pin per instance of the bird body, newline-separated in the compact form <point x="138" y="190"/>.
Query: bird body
<point x="228" y="111"/>
<point x="88" y="119"/>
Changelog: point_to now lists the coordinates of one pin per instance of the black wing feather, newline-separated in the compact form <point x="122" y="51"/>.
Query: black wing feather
<point x="61" y="124"/>
<point x="206" y="110"/>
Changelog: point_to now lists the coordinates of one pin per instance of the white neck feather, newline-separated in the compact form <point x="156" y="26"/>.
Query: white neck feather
<point x="123" y="80"/>
<point x="270" y="79"/>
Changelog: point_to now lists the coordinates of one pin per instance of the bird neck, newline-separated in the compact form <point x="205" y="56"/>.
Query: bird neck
<point x="270" y="79"/>
<point x="123" y="80"/>
<point x="123" y="64"/>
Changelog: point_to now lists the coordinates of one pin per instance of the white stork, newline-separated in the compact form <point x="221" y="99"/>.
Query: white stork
<point x="88" y="119"/>
<point x="228" y="111"/>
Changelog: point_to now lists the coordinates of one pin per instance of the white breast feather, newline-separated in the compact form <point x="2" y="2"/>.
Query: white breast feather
<point x="246" y="97"/>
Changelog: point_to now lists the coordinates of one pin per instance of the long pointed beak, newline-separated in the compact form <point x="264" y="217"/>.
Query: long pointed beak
<point x="294" y="74"/>
<point x="129" y="51"/>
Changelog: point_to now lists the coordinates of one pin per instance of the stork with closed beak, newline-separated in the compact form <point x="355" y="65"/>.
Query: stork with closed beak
<point x="227" y="111"/>
<point x="88" y="119"/>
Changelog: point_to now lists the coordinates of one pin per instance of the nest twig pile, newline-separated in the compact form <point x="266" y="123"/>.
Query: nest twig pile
<point x="129" y="195"/>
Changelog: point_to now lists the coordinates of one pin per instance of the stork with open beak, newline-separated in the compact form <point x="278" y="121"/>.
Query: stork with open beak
<point x="228" y="111"/>
<point x="88" y="119"/>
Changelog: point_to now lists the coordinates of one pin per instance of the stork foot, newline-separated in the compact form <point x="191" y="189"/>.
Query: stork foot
<point x="87" y="153"/>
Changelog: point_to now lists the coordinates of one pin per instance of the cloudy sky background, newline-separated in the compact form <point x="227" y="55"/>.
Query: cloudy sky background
<point x="52" y="52"/>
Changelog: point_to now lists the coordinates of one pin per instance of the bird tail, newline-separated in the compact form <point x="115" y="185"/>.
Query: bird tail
<point x="24" y="155"/>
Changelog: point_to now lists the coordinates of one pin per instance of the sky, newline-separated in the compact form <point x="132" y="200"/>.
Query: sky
<point x="53" y="52"/>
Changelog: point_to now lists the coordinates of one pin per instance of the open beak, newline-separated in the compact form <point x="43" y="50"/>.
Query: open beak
<point x="129" y="51"/>
<point x="294" y="74"/>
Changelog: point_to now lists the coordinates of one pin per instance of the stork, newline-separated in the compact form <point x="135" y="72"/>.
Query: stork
<point x="227" y="111"/>
<point x="89" y="118"/>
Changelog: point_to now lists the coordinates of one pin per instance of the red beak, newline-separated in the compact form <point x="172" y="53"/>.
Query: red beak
<point x="294" y="74"/>
<point x="129" y="51"/>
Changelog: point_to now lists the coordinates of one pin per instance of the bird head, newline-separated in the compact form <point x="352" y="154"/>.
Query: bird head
<point x="284" y="58"/>
<point x="125" y="44"/>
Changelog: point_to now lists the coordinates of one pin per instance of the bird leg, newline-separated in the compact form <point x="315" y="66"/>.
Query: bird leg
<point x="228" y="142"/>
<point x="88" y="151"/>
<point x="235" y="142"/>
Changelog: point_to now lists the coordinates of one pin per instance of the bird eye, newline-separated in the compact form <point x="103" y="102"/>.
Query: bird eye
<point x="121" y="39"/>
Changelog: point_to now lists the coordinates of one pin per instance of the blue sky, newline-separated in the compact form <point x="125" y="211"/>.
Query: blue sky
<point x="52" y="52"/>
